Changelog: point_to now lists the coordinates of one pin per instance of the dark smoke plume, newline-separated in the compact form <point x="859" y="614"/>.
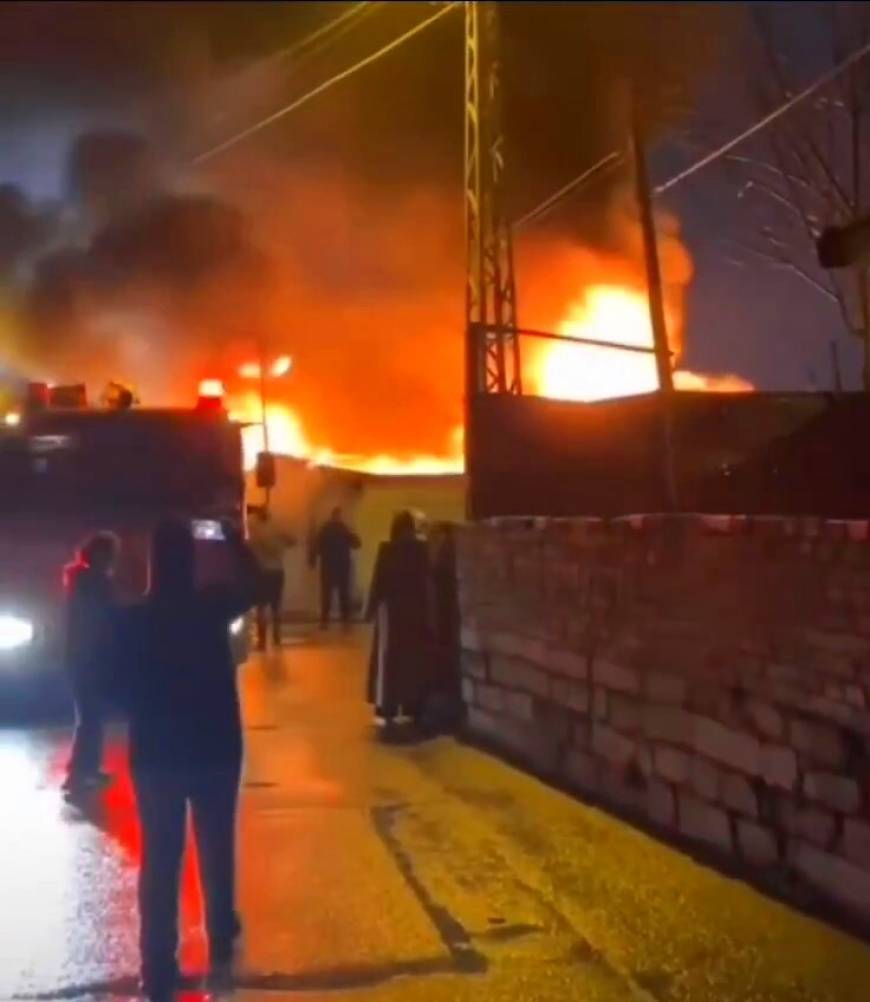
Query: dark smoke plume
<point x="111" y="173"/>
<point x="337" y="237"/>
<point x="138" y="266"/>
<point x="24" y="229"/>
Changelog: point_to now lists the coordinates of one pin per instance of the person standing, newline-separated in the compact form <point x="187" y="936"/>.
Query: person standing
<point x="180" y="694"/>
<point x="88" y="650"/>
<point x="444" y="699"/>
<point x="333" y="548"/>
<point x="401" y="606"/>
<point x="268" y="545"/>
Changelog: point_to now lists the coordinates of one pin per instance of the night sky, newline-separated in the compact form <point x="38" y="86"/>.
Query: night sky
<point x="759" y="320"/>
<point x="188" y="74"/>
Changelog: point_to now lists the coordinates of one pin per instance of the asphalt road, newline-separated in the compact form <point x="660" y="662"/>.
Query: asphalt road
<point x="379" y="872"/>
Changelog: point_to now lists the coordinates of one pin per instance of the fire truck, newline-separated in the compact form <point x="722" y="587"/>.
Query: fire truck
<point x="68" y="469"/>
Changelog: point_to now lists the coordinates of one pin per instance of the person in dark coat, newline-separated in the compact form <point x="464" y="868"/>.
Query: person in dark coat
<point x="180" y="693"/>
<point x="443" y="702"/>
<point x="333" y="548"/>
<point x="400" y="605"/>
<point x="89" y="615"/>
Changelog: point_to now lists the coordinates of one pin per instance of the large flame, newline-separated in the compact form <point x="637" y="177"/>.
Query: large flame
<point x="287" y="437"/>
<point x="612" y="314"/>
<point x="618" y="315"/>
<point x="606" y="313"/>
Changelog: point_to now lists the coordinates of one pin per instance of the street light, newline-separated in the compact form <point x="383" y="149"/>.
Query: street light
<point x="280" y="367"/>
<point x="262" y="372"/>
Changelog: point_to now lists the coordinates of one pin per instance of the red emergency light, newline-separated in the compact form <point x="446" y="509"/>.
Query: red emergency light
<point x="211" y="395"/>
<point x="41" y="396"/>
<point x="38" y="396"/>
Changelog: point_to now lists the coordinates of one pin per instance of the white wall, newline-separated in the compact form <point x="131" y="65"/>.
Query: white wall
<point x="305" y="496"/>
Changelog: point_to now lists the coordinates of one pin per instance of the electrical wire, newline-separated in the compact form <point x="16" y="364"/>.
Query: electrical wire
<point x="321" y="32"/>
<point x="319" y="41"/>
<point x="322" y="87"/>
<point x="762" y="123"/>
<point x="613" y="159"/>
<point x="602" y="166"/>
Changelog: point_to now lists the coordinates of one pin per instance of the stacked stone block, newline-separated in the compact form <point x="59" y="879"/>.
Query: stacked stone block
<point x="709" y="674"/>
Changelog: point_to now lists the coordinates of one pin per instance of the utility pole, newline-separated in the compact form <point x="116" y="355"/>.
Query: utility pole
<point x="656" y="300"/>
<point x="490" y="304"/>
<point x="651" y="253"/>
<point x="264" y="414"/>
<point x="263" y="403"/>
<point x="492" y="349"/>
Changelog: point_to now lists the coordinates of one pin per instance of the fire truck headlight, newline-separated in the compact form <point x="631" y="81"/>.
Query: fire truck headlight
<point x="15" y="632"/>
<point x="236" y="626"/>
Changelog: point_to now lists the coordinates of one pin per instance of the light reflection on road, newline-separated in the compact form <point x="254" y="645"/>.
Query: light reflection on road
<point x="67" y="891"/>
<point x="68" y="915"/>
<point x="39" y="877"/>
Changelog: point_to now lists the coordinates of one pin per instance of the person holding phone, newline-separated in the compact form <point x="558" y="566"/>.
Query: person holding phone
<point x="179" y="690"/>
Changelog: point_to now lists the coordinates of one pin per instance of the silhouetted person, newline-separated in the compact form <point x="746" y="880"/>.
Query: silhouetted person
<point x="268" y="545"/>
<point x="181" y="696"/>
<point x="443" y="698"/>
<point x="333" y="548"/>
<point x="88" y="651"/>
<point x="401" y="606"/>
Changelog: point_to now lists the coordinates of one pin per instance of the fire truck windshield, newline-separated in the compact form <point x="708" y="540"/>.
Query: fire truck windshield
<point x="96" y="460"/>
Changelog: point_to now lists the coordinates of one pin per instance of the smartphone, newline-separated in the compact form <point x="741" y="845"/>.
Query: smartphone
<point x="208" y="529"/>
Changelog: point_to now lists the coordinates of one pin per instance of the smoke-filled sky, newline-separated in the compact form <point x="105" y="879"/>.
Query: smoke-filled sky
<point x="335" y="235"/>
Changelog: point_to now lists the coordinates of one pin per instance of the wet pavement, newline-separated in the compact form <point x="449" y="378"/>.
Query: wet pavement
<point x="393" y="872"/>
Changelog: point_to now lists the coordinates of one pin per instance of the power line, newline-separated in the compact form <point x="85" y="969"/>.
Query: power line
<point x="316" y="43"/>
<point x="602" y="166"/>
<point x="612" y="159"/>
<point x="762" y="123"/>
<point x="318" y="33"/>
<point x="326" y="85"/>
<point x="325" y="37"/>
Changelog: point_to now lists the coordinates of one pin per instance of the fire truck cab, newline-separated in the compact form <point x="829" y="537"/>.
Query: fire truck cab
<point x="67" y="470"/>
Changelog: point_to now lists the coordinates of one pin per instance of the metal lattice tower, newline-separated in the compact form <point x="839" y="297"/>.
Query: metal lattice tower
<point x="493" y="356"/>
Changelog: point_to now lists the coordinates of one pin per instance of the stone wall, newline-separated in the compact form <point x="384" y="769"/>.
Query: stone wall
<point x="709" y="674"/>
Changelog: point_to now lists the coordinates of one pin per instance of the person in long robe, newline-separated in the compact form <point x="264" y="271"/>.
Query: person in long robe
<point x="401" y="607"/>
<point x="443" y="702"/>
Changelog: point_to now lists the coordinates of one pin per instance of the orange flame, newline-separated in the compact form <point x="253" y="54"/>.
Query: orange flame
<point x="561" y="370"/>
<point x="280" y="367"/>
<point x="211" y="388"/>
<point x="619" y="315"/>
<point x="287" y="437"/>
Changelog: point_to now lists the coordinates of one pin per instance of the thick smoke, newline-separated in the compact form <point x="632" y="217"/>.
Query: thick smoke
<point x="120" y="284"/>
<point x="362" y="285"/>
<point x="339" y="240"/>
<point x="111" y="174"/>
<point x="24" y="230"/>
